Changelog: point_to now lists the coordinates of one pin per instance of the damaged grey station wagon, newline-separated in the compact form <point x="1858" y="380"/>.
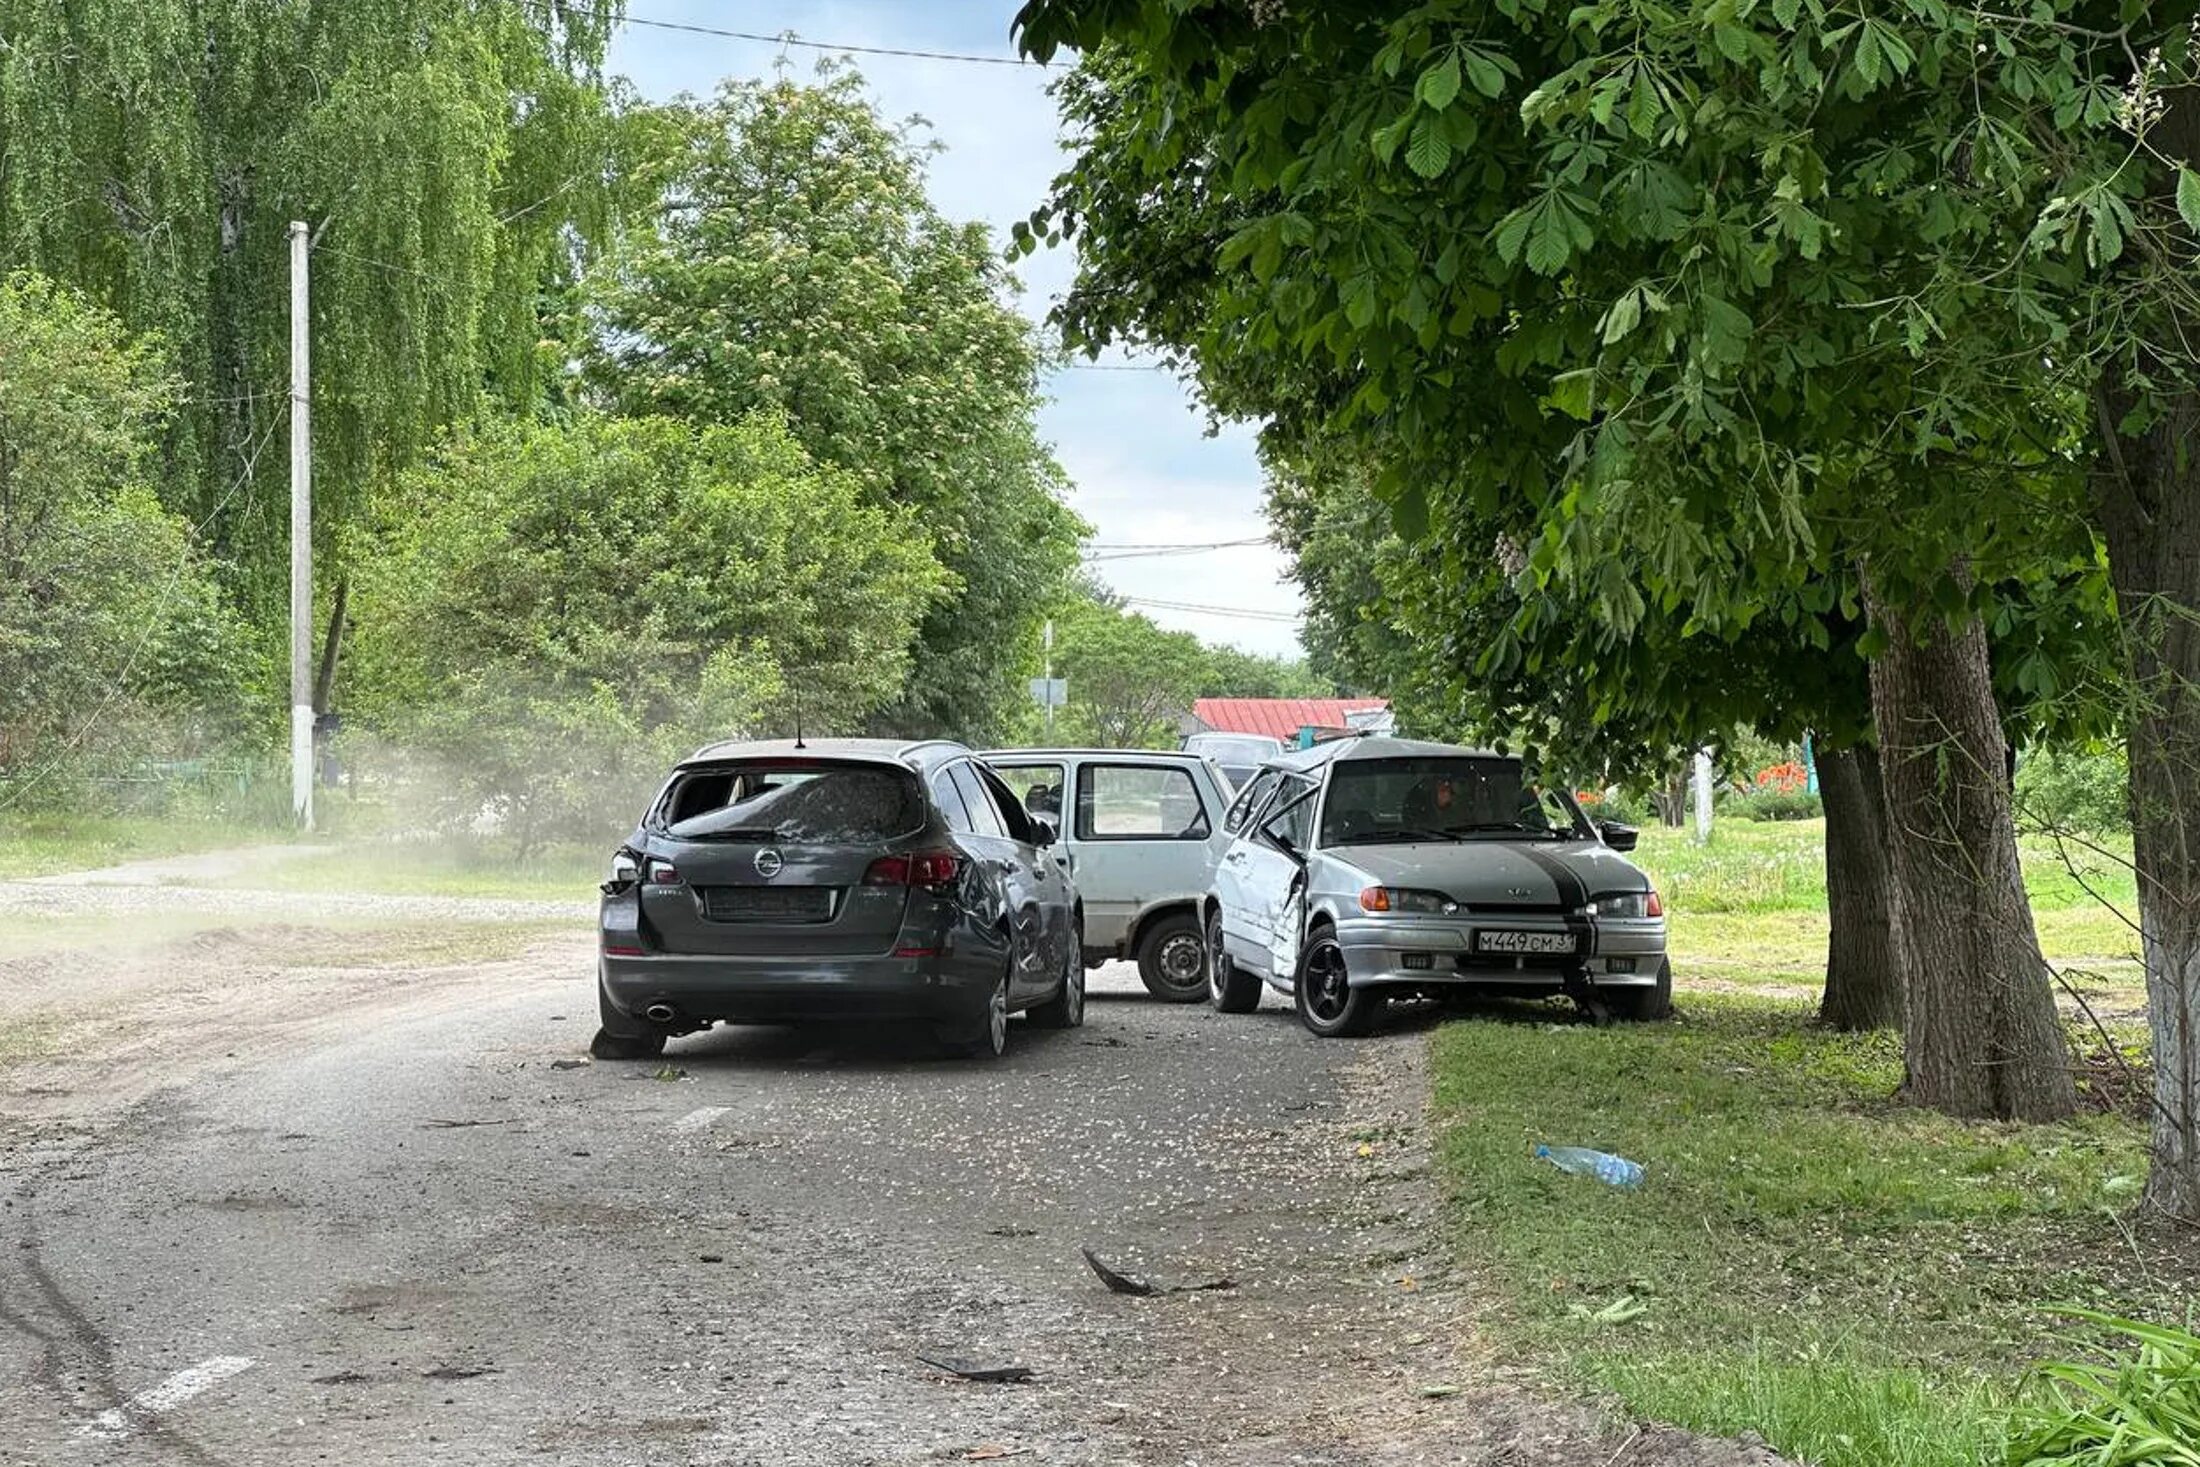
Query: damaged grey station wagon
<point x="1374" y="868"/>
<point x="834" y="880"/>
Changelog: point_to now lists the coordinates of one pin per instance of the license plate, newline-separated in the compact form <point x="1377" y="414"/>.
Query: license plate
<point x="768" y="903"/>
<point x="1526" y="942"/>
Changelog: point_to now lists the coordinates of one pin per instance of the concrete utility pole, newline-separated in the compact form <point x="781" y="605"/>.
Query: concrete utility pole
<point x="301" y="533"/>
<point x="1047" y="637"/>
<point x="1703" y="798"/>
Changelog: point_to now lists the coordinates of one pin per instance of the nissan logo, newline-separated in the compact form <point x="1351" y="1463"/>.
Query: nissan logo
<point x="769" y="863"/>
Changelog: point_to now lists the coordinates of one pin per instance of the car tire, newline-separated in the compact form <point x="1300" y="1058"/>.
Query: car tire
<point x="620" y="1037"/>
<point x="1643" y="1005"/>
<point x="984" y="1036"/>
<point x="1230" y="988"/>
<point x="1066" y="1010"/>
<point x="1172" y="959"/>
<point x="1327" y="1004"/>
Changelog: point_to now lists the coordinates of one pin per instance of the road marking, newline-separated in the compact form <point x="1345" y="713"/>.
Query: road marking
<point x="169" y="1394"/>
<point x="697" y="1120"/>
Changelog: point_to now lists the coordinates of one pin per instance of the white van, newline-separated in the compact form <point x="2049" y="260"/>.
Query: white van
<point x="1141" y="838"/>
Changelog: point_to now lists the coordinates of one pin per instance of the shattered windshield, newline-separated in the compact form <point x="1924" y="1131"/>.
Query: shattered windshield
<point x="1389" y="801"/>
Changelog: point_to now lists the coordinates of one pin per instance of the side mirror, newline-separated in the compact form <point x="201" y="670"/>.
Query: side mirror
<point x="1619" y="837"/>
<point x="1044" y="833"/>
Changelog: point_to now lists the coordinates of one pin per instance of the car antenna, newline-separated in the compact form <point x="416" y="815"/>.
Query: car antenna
<point x="798" y="718"/>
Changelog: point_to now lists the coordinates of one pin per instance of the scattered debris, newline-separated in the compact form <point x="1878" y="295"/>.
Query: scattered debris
<point x="993" y="1452"/>
<point x="710" y="1258"/>
<point x="972" y="1370"/>
<point x="1012" y="1232"/>
<point x="1107" y="1041"/>
<point x="1624" y="1310"/>
<point x="1438" y="1392"/>
<point x="457" y="1372"/>
<point x="1138" y="1288"/>
<point x="342" y="1377"/>
<point x="670" y="1072"/>
<point x="442" y="1125"/>
<point x="569" y="1064"/>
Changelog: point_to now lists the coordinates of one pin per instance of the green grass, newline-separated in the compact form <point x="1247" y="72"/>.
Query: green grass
<point x="44" y="843"/>
<point x="1858" y="1281"/>
<point x="444" y="867"/>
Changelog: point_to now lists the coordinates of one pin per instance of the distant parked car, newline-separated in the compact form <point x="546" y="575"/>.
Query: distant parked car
<point x="1142" y="836"/>
<point x="790" y="882"/>
<point x="1239" y="756"/>
<point x="1378" y="867"/>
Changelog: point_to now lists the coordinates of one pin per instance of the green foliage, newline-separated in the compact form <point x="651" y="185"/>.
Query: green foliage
<point x="551" y="615"/>
<point x="1774" y="805"/>
<point x="450" y="155"/>
<point x="797" y="265"/>
<point x="1854" y="1279"/>
<point x="113" y="638"/>
<point x="1128" y="679"/>
<point x="2076" y="790"/>
<point x="2139" y="1411"/>
<point x="1544" y="306"/>
<point x="1233" y="673"/>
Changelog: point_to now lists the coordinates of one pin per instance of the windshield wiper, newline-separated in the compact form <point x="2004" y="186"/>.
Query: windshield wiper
<point x="1399" y="835"/>
<point x="1515" y="827"/>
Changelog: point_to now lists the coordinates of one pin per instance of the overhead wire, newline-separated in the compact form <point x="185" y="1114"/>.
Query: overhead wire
<point x="1244" y="613"/>
<point x="790" y="38"/>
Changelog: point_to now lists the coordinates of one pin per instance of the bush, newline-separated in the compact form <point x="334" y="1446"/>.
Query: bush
<point x="1774" y="804"/>
<point x="552" y="615"/>
<point x="2072" y="789"/>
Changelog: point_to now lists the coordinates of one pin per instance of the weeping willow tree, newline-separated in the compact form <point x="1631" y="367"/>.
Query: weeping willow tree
<point x="452" y="157"/>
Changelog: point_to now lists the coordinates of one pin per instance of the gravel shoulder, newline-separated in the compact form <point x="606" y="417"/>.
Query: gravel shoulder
<point x="333" y="1183"/>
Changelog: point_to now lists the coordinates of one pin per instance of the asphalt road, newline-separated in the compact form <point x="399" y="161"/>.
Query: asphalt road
<point x="432" y="1233"/>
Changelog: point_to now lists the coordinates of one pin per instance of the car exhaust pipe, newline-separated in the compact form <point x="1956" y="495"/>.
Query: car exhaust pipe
<point x="660" y="1013"/>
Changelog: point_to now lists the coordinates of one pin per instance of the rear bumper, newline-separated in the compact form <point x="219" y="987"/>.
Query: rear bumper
<point x="786" y="990"/>
<point x="1392" y="952"/>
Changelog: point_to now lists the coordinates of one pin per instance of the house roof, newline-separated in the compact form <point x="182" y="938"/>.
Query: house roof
<point x="1279" y="718"/>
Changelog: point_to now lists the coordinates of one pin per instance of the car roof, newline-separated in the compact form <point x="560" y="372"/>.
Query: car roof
<point x="1337" y="751"/>
<point x="916" y="753"/>
<point x="1169" y="756"/>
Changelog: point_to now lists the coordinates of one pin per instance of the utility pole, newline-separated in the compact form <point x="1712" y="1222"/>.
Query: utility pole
<point x="301" y="533"/>
<point x="1703" y="798"/>
<point x="1047" y="638"/>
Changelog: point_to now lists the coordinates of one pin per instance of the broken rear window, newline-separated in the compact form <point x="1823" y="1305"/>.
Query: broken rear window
<point x="778" y="801"/>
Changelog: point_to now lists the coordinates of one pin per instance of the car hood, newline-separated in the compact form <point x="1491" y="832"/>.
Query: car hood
<point x="1500" y="872"/>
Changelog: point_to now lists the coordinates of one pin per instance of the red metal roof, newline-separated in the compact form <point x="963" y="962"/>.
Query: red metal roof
<point x="1279" y="718"/>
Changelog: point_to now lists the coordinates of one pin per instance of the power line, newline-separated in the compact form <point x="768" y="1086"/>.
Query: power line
<point x="1113" y="367"/>
<point x="1241" y="612"/>
<point x="1142" y="548"/>
<point x="1166" y="552"/>
<point x="789" y="38"/>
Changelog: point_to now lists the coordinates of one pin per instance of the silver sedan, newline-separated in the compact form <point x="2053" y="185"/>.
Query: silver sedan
<point x="1376" y="867"/>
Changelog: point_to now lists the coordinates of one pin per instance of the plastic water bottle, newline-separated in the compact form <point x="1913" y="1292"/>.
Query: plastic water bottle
<point x="1615" y="1171"/>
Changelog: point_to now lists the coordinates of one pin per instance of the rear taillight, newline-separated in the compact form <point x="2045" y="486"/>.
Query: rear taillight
<point x="1653" y="907"/>
<point x="934" y="869"/>
<point x="663" y="873"/>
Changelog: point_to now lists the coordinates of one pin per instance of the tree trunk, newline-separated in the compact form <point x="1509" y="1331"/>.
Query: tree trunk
<point x="1980" y="1034"/>
<point x="1864" y="948"/>
<point x="2146" y="496"/>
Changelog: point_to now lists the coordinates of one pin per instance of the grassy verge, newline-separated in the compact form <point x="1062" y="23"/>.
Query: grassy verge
<point x="1857" y="1281"/>
<point x="44" y="844"/>
<point x="448" y="867"/>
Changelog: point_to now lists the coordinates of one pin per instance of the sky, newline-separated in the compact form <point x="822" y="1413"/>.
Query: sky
<point x="1135" y="442"/>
